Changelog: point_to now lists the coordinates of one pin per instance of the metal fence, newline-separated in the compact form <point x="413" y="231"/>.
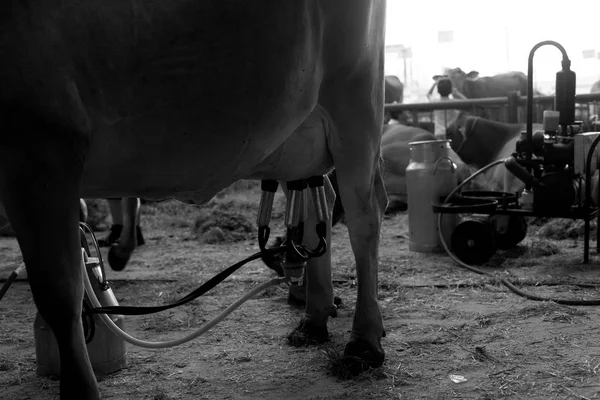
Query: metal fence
<point x="510" y="109"/>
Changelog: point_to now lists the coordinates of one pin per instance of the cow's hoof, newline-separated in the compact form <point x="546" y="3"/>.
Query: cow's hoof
<point x="308" y="333"/>
<point x="118" y="258"/>
<point x="360" y="355"/>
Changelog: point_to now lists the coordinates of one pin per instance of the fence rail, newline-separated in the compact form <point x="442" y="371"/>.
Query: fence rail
<point x="511" y="109"/>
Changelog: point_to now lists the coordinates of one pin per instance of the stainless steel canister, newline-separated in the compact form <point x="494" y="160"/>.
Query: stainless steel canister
<point x="430" y="177"/>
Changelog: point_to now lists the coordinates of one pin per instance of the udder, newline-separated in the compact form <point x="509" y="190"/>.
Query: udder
<point x="304" y="154"/>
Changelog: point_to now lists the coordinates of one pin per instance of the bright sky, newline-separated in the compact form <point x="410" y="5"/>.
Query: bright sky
<point x="493" y="37"/>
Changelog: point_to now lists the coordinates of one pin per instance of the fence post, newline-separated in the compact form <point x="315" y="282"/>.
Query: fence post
<point x="513" y="107"/>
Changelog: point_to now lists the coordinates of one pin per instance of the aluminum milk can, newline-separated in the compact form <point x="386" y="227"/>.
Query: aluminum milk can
<point x="106" y="350"/>
<point x="430" y="177"/>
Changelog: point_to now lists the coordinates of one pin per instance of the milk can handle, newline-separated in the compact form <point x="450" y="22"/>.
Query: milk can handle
<point x="452" y="165"/>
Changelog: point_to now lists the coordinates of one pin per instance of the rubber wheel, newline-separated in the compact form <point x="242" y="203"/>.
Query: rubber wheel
<point x="515" y="231"/>
<point x="474" y="241"/>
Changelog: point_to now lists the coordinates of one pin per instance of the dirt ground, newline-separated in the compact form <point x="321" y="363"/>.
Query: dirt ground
<point x="451" y="334"/>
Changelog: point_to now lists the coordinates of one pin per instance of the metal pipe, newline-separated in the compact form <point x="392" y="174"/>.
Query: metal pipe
<point x="316" y="185"/>
<point x="489" y="101"/>
<point x="265" y="209"/>
<point x="293" y="210"/>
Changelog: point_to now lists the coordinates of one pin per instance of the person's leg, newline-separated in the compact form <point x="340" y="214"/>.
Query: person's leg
<point x="116" y="211"/>
<point x="121" y="251"/>
<point x="116" y="228"/>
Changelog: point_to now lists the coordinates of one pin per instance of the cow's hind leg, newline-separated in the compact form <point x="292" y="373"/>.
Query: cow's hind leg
<point x="356" y="108"/>
<point x="40" y="190"/>
<point x="318" y="285"/>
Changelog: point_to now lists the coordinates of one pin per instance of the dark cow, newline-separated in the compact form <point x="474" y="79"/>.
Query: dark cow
<point x="475" y="87"/>
<point x="394" y="93"/>
<point x="109" y="98"/>
<point x="479" y="142"/>
<point x="394" y="89"/>
<point x="395" y="151"/>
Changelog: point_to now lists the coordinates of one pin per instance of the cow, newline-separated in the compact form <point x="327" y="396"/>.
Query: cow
<point x="395" y="152"/>
<point x="480" y="141"/>
<point x="475" y="87"/>
<point x="103" y="99"/>
<point x="393" y="89"/>
<point x="394" y="93"/>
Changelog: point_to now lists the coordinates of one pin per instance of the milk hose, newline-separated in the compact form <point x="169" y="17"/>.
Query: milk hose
<point x="504" y="281"/>
<point x="161" y="345"/>
<point x="11" y="279"/>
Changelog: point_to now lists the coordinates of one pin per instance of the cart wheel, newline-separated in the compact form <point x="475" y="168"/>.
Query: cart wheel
<point x="510" y="230"/>
<point x="474" y="241"/>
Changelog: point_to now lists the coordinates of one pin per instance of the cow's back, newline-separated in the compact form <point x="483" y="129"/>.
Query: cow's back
<point x="496" y="86"/>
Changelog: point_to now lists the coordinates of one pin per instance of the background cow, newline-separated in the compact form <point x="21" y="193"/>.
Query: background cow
<point x="480" y="141"/>
<point x="393" y="90"/>
<point x="395" y="153"/>
<point x="475" y="87"/>
<point x="394" y="93"/>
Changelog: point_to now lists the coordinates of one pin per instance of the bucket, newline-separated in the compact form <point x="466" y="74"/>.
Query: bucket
<point x="430" y="177"/>
<point x="106" y="350"/>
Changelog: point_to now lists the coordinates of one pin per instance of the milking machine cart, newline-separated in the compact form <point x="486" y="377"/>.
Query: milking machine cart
<point x="557" y="165"/>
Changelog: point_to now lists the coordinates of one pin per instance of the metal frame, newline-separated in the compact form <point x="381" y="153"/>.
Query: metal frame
<point x="513" y="102"/>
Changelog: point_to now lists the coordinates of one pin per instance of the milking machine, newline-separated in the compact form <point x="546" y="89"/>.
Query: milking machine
<point x="296" y="256"/>
<point x="555" y="164"/>
<point x="103" y="318"/>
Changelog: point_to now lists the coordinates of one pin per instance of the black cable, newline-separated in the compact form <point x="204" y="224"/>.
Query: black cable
<point x="567" y="302"/>
<point x="7" y="284"/>
<point x="208" y="285"/>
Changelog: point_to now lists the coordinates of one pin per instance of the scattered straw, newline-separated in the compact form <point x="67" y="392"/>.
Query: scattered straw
<point x="348" y="367"/>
